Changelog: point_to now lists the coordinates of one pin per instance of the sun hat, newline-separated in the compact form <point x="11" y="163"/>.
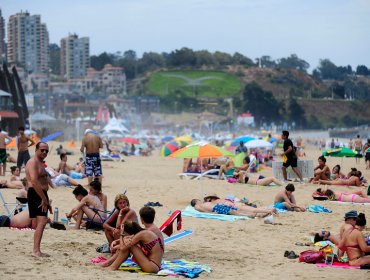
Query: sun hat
<point x="88" y="131"/>
<point x="351" y="214"/>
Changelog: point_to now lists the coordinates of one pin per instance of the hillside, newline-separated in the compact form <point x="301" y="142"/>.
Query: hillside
<point x="194" y="84"/>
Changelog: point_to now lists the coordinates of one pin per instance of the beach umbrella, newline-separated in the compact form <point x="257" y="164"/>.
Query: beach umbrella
<point x="259" y="143"/>
<point x="201" y="150"/>
<point x="186" y="138"/>
<point x="341" y="152"/>
<point x="181" y="143"/>
<point x="244" y="139"/>
<point x="238" y="159"/>
<point x="167" y="138"/>
<point x="169" y="148"/>
<point x="130" y="140"/>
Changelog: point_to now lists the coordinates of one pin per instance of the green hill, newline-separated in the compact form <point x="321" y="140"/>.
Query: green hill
<point x="194" y="84"/>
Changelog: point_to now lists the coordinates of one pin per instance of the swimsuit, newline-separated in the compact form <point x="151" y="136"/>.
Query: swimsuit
<point x="34" y="201"/>
<point x="353" y="197"/>
<point x="23" y="158"/>
<point x="93" y="165"/>
<point x="2" y="155"/>
<point x="147" y="248"/>
<point x="223" y="209"/>
<point x="280" y="205"/>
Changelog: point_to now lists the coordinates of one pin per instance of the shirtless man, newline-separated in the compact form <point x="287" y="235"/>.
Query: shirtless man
<point x="38" y="200"/>
<point x="358" y="146"/>
<point x="92" y="144"/>
<point x="23" y="143"/>
<point x="285" y="200"/>
<point x="219" y="206"/>
<point x="64" y="168"/>
<point x="3" y="155"/>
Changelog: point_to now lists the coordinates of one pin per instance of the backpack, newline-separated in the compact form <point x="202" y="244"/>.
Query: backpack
<point x="4" y="221"/>
<point x="311" y="256"/>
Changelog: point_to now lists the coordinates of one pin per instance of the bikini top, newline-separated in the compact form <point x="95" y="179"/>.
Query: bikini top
<point x="149" y="246"/>
<point x="353" y="246"/>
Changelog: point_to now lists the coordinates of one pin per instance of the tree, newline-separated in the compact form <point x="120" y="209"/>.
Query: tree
<point x="98" y="62"/>
<point x="150" y="61"/>
<point x="293" y="62"/>
<point x="260" y="103"/>
<point x="266" y="61"/>
<point x="296" y="112"/>
<point x="362" y="70"/>
<point x="129" y="63"/>
<point x="204" y="58"/>
<point x="328" y="70"/>
<point x="182" y="57"/>
<point x="240" y="59"/>
<point x="222" y="58"/>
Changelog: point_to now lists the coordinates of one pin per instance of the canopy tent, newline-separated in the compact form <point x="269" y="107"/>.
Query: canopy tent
<point x="41" y="117"/>
<point x="114" y="128"/>
<point x="258" y="144"/>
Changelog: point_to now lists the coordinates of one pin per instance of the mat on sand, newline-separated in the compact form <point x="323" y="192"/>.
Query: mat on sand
<point x="191" y="212"/>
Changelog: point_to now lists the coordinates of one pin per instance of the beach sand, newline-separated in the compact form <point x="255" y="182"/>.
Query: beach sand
<point x="234" y="250"/>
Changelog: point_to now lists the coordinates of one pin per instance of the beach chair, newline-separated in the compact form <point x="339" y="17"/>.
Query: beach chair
<point x="167" y="228"/>
<point x="106" y="156"/>
<point x="13" y="208"/>
<point x="210" y="174"/>
<point x="92" y="224"/>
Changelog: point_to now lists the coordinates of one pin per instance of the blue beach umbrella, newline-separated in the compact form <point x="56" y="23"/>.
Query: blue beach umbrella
<point x="244" y="139"/>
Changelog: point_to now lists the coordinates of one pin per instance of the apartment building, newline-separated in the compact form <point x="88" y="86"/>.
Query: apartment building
<point x="2" y="38"/>
<point x="74" y="56"/>
<point x="28" y="41"/>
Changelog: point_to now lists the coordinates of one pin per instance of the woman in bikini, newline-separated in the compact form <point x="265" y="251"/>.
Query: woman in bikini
<point x="95" y="189"/>
<point x="336" y="174"/>
<point x="321" y="171"/>
<point x="354" y="244"/>
<point x="145" y="246"/>
<point x="354" y="180"/>
<point x="121" y="214"/>
<point x="256" y="179"/>
<point x="354" y="197"/>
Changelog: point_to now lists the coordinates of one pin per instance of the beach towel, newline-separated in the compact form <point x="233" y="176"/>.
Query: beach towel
<point x="337" y="265"/>
<point x="167" y="226"/>
<point x="191" y="212"/>
<point x="352" y="203"/>
<point x="316" y="208"/>
<point x="179" y="267"/>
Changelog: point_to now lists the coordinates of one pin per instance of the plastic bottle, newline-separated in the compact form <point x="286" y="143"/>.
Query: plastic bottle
<point x="56" y="214"/>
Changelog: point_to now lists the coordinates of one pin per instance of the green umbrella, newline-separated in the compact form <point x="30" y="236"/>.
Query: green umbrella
<point x="238" y="159"/>
<point x="341" y="152"/>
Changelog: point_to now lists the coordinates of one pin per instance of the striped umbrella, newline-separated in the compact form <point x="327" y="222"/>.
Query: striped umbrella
<point x="169" y="148"/>
<point x="201" y="150"/>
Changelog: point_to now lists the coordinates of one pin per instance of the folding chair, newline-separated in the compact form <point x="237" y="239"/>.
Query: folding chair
<point x="13" y="208"/>
<point x="167" y="228"/>
<point x="92" y="224"/>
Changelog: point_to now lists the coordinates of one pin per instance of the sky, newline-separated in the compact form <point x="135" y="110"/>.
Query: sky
<point x="338" y="30"/>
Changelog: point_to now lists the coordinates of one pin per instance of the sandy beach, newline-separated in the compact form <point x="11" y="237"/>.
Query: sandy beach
<point x="246" y="249"/>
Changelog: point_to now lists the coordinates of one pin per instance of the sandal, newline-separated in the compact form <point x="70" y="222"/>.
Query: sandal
<point x="292" y="255"/>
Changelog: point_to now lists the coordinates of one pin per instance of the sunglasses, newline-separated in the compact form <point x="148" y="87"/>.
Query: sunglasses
<point x="44" y="151"/>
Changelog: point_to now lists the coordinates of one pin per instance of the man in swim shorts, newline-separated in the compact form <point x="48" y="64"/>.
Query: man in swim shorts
<point x="38" y="200"/>
<point x="358" y="147"/>
<point x="23" y="143"/>
<point x="285" y="200"/>
<point x="92" y="143"/>
<point x="3" y="155"/>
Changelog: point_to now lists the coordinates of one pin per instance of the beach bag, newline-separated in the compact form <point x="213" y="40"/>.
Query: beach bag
<point x="327" y="250"/>
<point x="311" y="256"/>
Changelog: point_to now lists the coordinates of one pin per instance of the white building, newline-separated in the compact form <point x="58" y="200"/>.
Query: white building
<point x="28" y="42"/>
<point x="74" y="56"/>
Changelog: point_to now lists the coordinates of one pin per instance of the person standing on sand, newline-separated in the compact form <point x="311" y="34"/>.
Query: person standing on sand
<point x="92" y="143"/>
<point x="22" y="145"/>
<point x="38" y="200"/>
<point x="3" y="155"/>
<point x="291" y="157"/>
<point x="358" y="147"/>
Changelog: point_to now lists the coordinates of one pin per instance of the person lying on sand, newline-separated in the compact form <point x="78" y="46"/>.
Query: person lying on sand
<point x="87" y="203"/>
<point x="256" y="179"/>
<point x="354" y="244"/>
<point x="285" y="200"/>
<point x="225" y="207"/>
<point x="121" y="214"/>
<point x="147" y="215"/>
<point x="336" y="174"/>
<point x="10" y="185"/>
<point x="358" y="196"/>
<point x="354" y="180"/>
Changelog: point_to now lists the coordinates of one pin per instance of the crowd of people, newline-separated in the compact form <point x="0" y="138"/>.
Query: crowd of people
<point x="145" y="242"/>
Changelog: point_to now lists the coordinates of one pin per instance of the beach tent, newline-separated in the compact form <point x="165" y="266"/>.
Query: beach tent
<point x="259" y="143"/>
<point x="114" y="129"/>
<point x="341" y="152"/>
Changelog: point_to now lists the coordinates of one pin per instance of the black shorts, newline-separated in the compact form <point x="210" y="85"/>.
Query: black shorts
<point x="291" y="162"/>
<point x="367" y="157"/>
<point x="23" y="158"/>
<point x="34" y="202"/>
